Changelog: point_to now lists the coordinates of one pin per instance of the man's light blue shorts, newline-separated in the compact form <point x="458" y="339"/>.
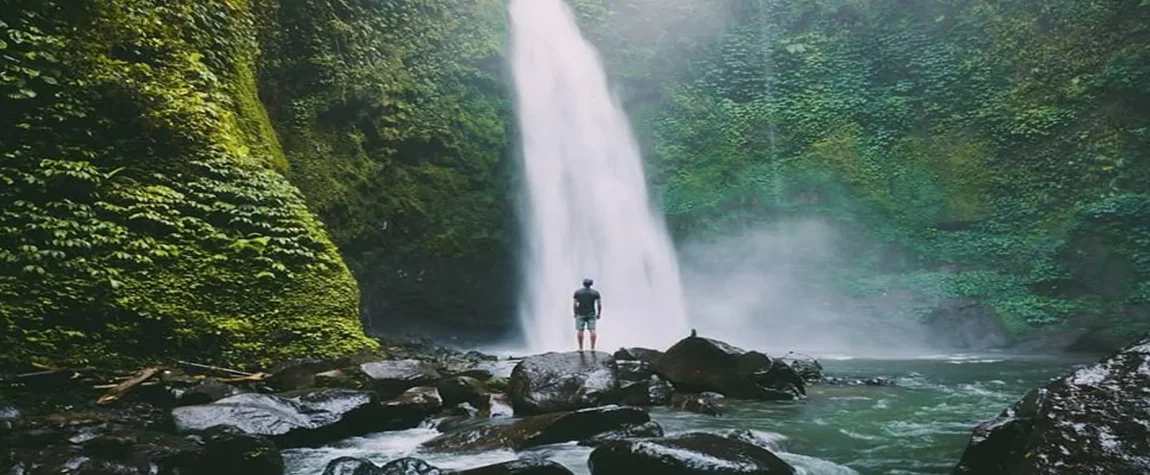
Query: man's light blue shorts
<point x="585" y="322"/>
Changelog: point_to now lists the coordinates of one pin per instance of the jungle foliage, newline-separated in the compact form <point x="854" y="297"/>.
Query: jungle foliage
<point x="996" y="151"/>
<point x="394" y="118"/>
<point x="143" y="209"/>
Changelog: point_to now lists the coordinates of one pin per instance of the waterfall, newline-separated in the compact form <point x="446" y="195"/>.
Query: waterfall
<point x="585" y="210"/>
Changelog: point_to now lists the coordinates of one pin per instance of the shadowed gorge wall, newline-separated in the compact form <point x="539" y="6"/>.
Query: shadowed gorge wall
<point x="394" y="118"/>
<point x="144" y="209"/>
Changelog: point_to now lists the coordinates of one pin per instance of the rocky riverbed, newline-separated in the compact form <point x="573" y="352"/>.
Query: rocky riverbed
<point x="471" y="403"/>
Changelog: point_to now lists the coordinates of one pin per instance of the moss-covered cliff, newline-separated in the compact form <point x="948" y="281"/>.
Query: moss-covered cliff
<point x="394" y="118"/>
<point x="144" y="211"/>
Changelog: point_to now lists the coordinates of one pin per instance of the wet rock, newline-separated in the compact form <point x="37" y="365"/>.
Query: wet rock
<point x="338" y="378"/>
<point x="499" y="369"/>
<point x="540" y="430"/>
<point x="1090" y="422"/>
<point x="647" y="429"/>
<point x="639" y="385"/>
<point x="300" y="374"/>
<point x="704" y="403"/>
<point x="230" y="450"/>
<point x="207" y="391"/>
<point x="8" y="412"/>
<point x="807" y="367"/>
<point x="102" y="443"/>
<point x="411" y="408"/>
<point x="529" y="466"/>
<point x="688" y="454"/>
<point x="462" y="389"/>
<point x="554" y="382"/>
<point x="351" y="466"/>
<point x="498" y="405"/>
<point x="291" y="419"/>
<point x="392" y="378"/>
<point x="697" y="364"/>
<point x="357" y="466"/>
<point x="637" y="354"/>
<point x="477" y="374"/>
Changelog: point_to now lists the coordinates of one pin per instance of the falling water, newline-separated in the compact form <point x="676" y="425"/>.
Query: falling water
<point x="586" y="210"/>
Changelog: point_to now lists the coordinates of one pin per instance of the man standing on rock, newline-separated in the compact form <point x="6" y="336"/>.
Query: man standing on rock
<point x="588" y="309"/>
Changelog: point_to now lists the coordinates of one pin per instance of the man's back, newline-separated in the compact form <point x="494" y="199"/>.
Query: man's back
<point x="585" y="301"/>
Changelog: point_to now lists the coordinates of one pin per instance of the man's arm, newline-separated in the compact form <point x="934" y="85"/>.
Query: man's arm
<point x="575" y="307"/>
<point x="598" y="306"/>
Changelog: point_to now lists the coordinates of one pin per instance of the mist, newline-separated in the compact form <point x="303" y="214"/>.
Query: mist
<point x="772" y="288"/>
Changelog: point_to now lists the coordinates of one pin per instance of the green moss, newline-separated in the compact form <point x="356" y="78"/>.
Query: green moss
<point x="144" y="215"/>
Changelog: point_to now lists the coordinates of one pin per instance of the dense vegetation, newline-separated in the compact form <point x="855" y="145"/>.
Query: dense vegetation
<point x="996" y="152"/>
<point x="394" y="119"/>
<point x="144" y="208"/>
<point x="165" y="167"/>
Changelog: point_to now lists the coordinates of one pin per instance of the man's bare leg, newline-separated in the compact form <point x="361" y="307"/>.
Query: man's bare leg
<point x="593" y="338"/>
<point x="579" y="336"/>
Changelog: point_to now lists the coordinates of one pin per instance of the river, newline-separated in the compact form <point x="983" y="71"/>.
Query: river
<point x="918" y="426"/>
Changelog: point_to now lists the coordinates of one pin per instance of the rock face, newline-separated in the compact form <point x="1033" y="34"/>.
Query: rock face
<point x="392" y="378"/>
<point x="688" y="454"/>
<point x="639" y="385"/>
<point x="541" y="430"/>
<point x="403" y="466"/>
<point x="554" y="382"/>
<point x="697" y="364"/>
<point x="703" y="403"/>
<point x="1091" y="422"/>
<point x="519" y="467"/>
<point x="291" y="419"/>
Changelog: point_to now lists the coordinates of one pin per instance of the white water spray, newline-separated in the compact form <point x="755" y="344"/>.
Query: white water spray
<point x="586" y="210"/>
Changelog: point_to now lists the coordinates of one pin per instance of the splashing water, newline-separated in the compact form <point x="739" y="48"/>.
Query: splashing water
<point x="586" y="209"/>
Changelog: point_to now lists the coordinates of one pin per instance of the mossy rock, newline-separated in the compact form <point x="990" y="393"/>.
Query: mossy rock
<point x="145" y="214"/>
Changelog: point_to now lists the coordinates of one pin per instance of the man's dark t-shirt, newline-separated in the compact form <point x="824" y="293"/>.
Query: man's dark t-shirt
<point x="585" y="301"/>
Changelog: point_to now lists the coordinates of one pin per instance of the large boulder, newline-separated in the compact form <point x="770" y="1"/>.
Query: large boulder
<point x="528" y="466"/>
<point x="639" y="385"/>
<point x="291" y="419"/>
<point x="463" y="389"/>
<point x="392" y="378"/>
<point x="554" y="382"/>
<point x="688" y="454"/>
<point x="357" y="466"/>
<point x="540" y="430"/>
<point x="410" y="409"/>
<point x="697" y="364"/>
<point x="637" y="354"/>
<point x="634" y="431"/>
<point x="1091" y="422"/>
<point x="807" y="367"/>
